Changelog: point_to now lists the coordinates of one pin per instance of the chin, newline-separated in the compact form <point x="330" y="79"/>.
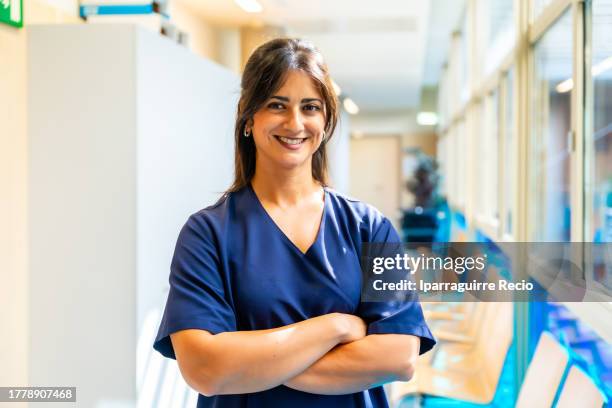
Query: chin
<point x="289" y="163"/>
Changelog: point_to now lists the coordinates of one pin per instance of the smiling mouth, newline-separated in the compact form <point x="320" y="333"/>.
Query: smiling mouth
<point x="291" y="140"/>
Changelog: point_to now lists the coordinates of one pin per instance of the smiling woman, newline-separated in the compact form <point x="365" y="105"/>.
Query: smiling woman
<point x="289" y="128"/>
<point x="286" y="86"/>
<point x="264" y="306"/>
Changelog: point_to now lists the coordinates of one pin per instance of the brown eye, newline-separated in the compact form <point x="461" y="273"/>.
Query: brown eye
<point x="275" y="105"/>
<point x="312" y="108"/>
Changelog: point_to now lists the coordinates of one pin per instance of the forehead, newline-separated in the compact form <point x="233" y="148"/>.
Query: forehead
<point x="299" y="83"/>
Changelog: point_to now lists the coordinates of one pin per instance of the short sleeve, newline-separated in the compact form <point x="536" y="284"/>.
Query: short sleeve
<point x="395" y="317"/>
<point x="197" y="297"/>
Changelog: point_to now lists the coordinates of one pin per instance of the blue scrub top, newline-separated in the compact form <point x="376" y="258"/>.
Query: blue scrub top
<point x="234" y="269"/>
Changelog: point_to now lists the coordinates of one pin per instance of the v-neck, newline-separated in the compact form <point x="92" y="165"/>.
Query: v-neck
<point x="270" y="220"/>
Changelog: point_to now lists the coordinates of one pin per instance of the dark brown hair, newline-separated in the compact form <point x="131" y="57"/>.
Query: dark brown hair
<point x="264" y="73"/>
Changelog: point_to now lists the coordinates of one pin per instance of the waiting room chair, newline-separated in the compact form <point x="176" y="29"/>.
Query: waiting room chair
<point x="580" y="391"/>
<point x="544" y="374"/>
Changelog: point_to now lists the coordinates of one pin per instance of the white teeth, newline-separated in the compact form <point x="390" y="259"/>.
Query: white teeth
<point x="291" y="141"/>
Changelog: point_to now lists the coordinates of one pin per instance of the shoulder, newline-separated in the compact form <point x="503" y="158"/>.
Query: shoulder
<point x="370" y="221"/>
<point x="360" y="210"/>
<point x="216" y="212"/>
<point x="213" y="220"/>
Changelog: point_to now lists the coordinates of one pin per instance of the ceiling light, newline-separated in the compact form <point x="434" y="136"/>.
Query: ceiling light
<point x="350" y="106"/>
<point x="337" y="89"/>
<point x="602" y="67"/>
<point x="565" y="86"/>
<point x="427" y="118"/>
<point x="250" y="6"/>
<point x="598" y="69"/>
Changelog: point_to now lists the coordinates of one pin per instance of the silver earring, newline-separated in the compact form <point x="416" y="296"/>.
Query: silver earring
<point x="247" y="133"/>
<point x="323" y="137"/>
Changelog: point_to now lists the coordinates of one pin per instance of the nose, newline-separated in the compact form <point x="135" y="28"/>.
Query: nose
<point x="294" y="121"/>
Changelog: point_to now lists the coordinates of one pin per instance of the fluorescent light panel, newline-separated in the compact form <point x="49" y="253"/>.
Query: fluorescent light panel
<point x="350" y="106"/>
<point x="427" y="118"/>
<point x="337" y="88"/>
<point x="598" y="69"/>
<point x="565" y="86"/>
<point x="602" y="67"/>
<point x="250" y="6"/>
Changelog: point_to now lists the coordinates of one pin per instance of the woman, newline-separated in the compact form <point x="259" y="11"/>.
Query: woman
<point x="264" y="306"/>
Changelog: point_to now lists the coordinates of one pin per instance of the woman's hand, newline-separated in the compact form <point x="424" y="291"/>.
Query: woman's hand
<point x="353" y="327"/>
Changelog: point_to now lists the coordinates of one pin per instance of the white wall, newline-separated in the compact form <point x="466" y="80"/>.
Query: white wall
<point x="13" y="199"/>
<point x="230" y="49"/>
<point x="13" y="187"/>
<point x="129" y="134"/>
<point x="375" y="173"/>
<point x="202" y="36"/>
<point x="82" y="137"/>
<point x="185" y="153"/>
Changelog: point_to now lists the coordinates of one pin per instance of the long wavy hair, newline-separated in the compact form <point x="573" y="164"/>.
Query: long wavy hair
<point x="265" y="73"/>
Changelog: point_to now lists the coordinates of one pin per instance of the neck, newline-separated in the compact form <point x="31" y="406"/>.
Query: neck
<point x="284" y="187"/>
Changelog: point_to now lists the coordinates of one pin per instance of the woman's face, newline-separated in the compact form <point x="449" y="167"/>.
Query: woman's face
<point x="288" y="129"/>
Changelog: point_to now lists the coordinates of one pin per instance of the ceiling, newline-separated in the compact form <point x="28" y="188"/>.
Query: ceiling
<point x="380" y="54"/>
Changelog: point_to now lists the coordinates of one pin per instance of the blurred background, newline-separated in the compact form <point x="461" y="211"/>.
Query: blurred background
<point x="462" y="120"/>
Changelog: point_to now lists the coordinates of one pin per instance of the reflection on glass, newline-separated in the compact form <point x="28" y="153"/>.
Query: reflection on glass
<point x="460" y="150"/>
<point x="499" y="17"/>
<point x="441" y="156"/>
<point x="442" y="102"/>
<point x="601" y="163"/>
<point x="451" y="174"/>
<point x="465" y="60"/>
<point x="491" y="141"/>
<point x="481" y="162"/>
<point x="501" y="14"/>
<point x="486" y="119"/>
<point x="550" y="158"/>
<point x="599" y="159"/>
<point x="509" y="185"/>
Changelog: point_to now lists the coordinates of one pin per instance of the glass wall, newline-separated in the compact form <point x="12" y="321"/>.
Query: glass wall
<point x="551" y="106"/>
<point x="489" y="157"/>
<point x="464" y="60"/>
<point x="552" y="122"/>
<point x="443" y="111"/>
<point x="501" y="19"/>
<point x="481" y="163"/>
<point x="509" y="156"/>
<point x="600" y="160"/>
<point x="498" y="20"/>
<point x="459" y="151"/>
<point x="598" y="152"/>
<point x="442" y="166"/>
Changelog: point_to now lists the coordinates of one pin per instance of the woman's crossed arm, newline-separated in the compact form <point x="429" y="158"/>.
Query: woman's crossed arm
<point x="251" y="361"/>
<point x="373" y="360"/>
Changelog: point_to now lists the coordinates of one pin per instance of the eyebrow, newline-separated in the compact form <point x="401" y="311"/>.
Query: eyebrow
<point x="305" y="100"/>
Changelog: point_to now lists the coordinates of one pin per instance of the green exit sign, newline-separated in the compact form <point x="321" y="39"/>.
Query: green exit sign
<point x="11" y="12"/>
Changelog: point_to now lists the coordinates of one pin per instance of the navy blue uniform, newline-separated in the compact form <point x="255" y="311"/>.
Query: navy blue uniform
<point x="234" y="269"/>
